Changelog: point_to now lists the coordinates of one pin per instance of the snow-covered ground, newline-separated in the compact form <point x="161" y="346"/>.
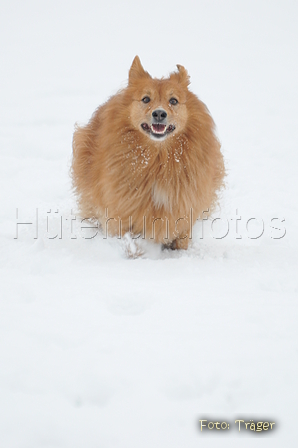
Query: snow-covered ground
<point x="101" y="351"/>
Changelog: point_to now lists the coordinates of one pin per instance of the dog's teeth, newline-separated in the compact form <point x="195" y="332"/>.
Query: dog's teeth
<point x="158" y="132"/>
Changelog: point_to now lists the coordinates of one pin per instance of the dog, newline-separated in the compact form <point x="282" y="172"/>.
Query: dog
<point x="149" y="161"/>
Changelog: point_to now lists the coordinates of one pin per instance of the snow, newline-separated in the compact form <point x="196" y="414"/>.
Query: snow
<point x="98" y="350"/>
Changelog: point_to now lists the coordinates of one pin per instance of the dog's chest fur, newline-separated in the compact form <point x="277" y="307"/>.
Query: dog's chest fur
<point x="160" y="196"/>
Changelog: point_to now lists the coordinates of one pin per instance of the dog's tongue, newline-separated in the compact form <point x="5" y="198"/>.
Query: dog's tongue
<point x="159" y="128"/>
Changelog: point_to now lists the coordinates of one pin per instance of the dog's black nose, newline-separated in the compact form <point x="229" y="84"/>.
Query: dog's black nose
<point x="159" y="115"/>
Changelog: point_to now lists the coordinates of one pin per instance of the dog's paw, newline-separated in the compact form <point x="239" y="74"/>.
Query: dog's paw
<point x="137" y="247"/>
<point x="132" y="247"/>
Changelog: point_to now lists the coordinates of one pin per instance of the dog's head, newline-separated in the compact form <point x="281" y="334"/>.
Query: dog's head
<point x="158" y="108"/>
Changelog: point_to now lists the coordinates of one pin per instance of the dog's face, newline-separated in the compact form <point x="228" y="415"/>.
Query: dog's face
<point x="158" y="108"/>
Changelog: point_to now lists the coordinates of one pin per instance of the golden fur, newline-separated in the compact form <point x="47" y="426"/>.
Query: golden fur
<point x="155" y="188"/>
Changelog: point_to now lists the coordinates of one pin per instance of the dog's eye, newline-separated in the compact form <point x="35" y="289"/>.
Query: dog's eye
<point x="173" y="101"/>
<point x="146" y="99"/>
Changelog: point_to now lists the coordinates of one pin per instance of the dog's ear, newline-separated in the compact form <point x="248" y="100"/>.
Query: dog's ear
<point x="183" y="76"/>
<point x="136" y="71"/>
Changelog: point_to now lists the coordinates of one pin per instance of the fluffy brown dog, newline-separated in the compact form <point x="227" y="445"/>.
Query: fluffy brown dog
<point x="148" y="162"/>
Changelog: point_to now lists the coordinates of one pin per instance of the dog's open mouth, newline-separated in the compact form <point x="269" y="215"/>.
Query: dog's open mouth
<point x="157" y="129"/>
